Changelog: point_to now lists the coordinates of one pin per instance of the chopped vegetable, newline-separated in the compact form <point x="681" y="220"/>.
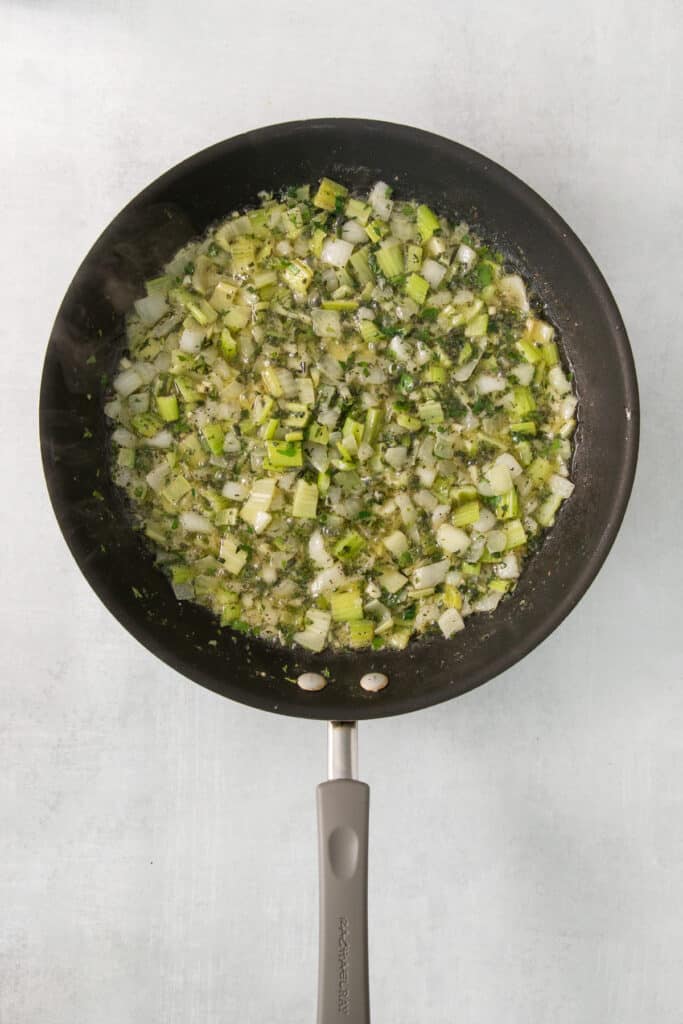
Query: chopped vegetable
<point x="340" y="422"/>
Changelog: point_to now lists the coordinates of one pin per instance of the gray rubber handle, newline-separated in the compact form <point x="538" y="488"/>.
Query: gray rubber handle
<point x="343" y="991"/>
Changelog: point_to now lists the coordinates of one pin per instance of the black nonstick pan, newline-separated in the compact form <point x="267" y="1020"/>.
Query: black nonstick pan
<point x="87" y="341"/>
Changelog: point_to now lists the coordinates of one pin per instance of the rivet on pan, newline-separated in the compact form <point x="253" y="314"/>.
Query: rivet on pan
<point x="311" y="681"/>
<point x="374" y="681"/>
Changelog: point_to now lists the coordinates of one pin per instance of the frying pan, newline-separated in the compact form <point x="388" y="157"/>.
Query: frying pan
<point x="87" y="341"/>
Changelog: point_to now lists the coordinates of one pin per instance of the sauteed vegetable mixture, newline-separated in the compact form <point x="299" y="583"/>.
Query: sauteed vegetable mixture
<point x="340" y="422"/>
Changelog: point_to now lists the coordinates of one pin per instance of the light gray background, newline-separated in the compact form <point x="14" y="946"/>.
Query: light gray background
<point x="157" y="849"/>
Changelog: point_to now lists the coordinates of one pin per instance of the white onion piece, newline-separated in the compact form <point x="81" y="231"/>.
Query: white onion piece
<point x="488" y="603"/>
<point x="326" y="323"/>
<point x="568" y="407"/>
<point x="127" y="382"/>
<point x="488" y="383"/>
<point x="427" y="613"/>
<point x="151" y="308"/>
<point x="430" y="575"/>
<point x="235" y="491"/>
<point x="465" y="255"/>
<point x="317" y="552"/>
<point x="379" y="200"/>
<point x="328" y="579"/>
<point x="513" y="292"/>
<point x="283" y="248"/>
<point x="508" y="569"/>
<point x="138" y="403"/>
<point x="396" y="456"/>
<point x="499" y="478"/>
<point x="505" y="459"/>
<point x="452" y="539"/>
<point x="433" y="273"/>
<point x="113" y="409"/>
<point x="427" y="475"/>
<point x="147" y="371"/>
<point x="353" y="232"/>
<point x="465" y="371"/>
<point x="440" y="514"/>
<point x="451" y="622"/>
<point x="524" y="372"/>
<point x="496" y="541"/>
<point x="124" y="438"/>
<point x="406" y="508"/>
<point x="191" y="340"/>
<point x="425" y="499"/>
<point x="336" y="252"/>
<point x="164" y="439"/>
<point x="162" y="362"/>
<point x="330" y="367"/>
<point x="194" y="523"/>
<point x="399" y="348"/>
<point x="558" y="381"/>
<point x="560" y="485"/>
<point x="156" y="478"/>
<point x="485" y="522"/>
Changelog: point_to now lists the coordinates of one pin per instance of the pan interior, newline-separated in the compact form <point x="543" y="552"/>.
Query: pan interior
<point x="89" y="335"/>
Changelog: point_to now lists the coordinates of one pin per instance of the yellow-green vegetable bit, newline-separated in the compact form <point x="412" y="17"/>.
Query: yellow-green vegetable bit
<point x="340" y="422"/>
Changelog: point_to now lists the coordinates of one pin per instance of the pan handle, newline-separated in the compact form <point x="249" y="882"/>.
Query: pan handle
<point x="343" y="803"/>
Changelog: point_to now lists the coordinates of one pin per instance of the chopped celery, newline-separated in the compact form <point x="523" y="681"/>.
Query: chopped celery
<point x="545" y="514"/>
<point x="168" y="407"/>
<point x="507" y="506"/>
<point x="369" y="331"/>
<point x="214" y="436"/>
<point x="242" y="255"/>
<point x="329" y="192"/>
<point x="361" y="267"/>
<point x="298" y="275"/>
<point x="434" y="374"/>
<point x="357" y="210"/>
<point x="522" y="402"/>
<point x="272" y="381"/>
<point x="343" y="305"/>
<point x="361" y="632"/>
<point x="305" y="504"/>
<point x="452" y="597"/>
<point x="374" y="420"/>
<point x="346" y="606"/>
<point x="515" y="534"/>
<point x="318" y="433"/>
<point x="431" y="412"/>
<point x="427" y="222"/>
<point x="478" y="326"/>
<point x="146" y="424"/>
<point x="417" y="288"/>
<point x="376" y="230"/>
<point x="413" y="259"/>
<point x="176" y="489"/>
<point x="409" y="422"/>
<point x="466" y="514"/>
<point x="284" y="454"/>
<point x="390" y="261"/>
<point x="349" y="546"/>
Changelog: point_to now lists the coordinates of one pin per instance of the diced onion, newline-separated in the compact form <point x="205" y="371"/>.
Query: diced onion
<point x="430" y="575"/>
<point x="336" y="251"/>
<point x="195" y="523"/>
<point x="451" y="539"/>
<point x="433" y="272"/>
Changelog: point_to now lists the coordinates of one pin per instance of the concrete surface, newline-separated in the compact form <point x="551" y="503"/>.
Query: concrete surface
<point x="157" y="850"/>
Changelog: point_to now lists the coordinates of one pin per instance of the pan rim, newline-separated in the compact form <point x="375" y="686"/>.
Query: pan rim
<point x="389" y="705"/>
